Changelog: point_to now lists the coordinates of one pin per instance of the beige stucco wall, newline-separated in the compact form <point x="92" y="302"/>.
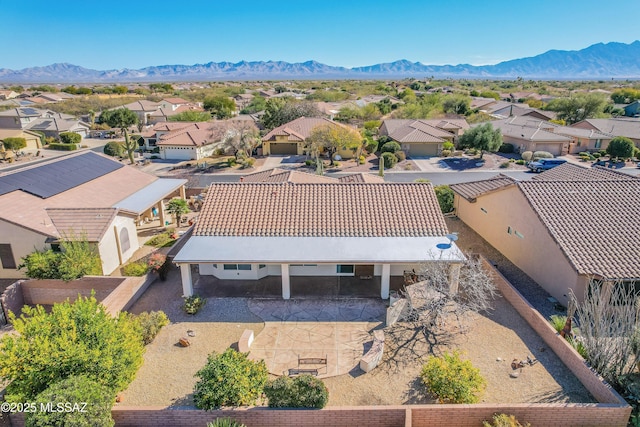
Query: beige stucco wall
<point x="109" y="245"/>
<point x="23" y="242"/>
<point x="536" y="253"/>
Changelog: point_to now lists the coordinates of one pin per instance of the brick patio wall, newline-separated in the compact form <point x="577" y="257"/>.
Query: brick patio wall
<point x="12" y="299"/>
<point x="127" y="292"/>
<point x="49" y="292"/>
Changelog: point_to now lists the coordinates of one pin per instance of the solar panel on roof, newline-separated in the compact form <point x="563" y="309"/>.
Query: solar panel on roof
<point x="48" y="180"/>
<point x="30" y="111"/>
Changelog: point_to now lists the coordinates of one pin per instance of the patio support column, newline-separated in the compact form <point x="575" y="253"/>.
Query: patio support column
<point x="454" y="277"/>
<point x="183" y="193"/>
<point x="161" y="212"/>
<point x="286" y="285"/>
<point x="385" y="278"/>
<point x="187" y="284"/>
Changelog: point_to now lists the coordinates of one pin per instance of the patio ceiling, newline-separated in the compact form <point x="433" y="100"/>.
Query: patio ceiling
<point x="144" y="199"/>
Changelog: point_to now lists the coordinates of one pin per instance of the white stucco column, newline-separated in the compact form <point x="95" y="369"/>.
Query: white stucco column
<point x="286" y="286"/>
<point x="385" y="278"/>
<point x="187" y="283"/>
<point x="160" y="207"/>
<point x="454" y="277"/>
<point x="183" y="193"/>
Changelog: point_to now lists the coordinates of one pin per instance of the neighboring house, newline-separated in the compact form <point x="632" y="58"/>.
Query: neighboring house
<point x="423" y="137"/>
<point x="562" y="228"/>
<point x="19" y="118"/>
<point x="34" y="142"/>
<point x="521" y="110"/>
<point x="83" y="194"/>
<point x="242" y="100"/>
<point x="290" y="138"/>
<point x="193" y="142"/>
<point x="143" y="110"/>
<point x="633" y="109"/>
<point x="251" y="230"/>
<point x="46" y="121"/>
<point x="169" y="107"/>
<point x="627" y="127"/>
<point x="293" y="176"/>
<point x="7" y="94"/>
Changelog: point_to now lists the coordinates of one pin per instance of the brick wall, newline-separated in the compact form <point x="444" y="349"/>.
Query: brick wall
<point x="127" y="292"/>
<point x="12" y="299"/>
<point x="48" y="292"/>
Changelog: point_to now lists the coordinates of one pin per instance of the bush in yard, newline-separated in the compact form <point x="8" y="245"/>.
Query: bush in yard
<point x="451" y="379"/>
<point x="506" y="148"/>
<point x="74" y="338"/>
<point x="70" y="138"/>
<point x="150" y="324"/>
<point x="74" y="390"/>
<point x="77" y="259"/>
<point x="445" y="197"/>
<point x="448" y="146"/>
<point x="361" y="160"/>
<point x="135" y="269"/>
<point x="115" y="149"/>
<point x="390" y="147"/>
<point x="504" y="420"/>
<point x="304" y="391"/>
<point x="159" y="264"/>
<point x="620" y="147"/>
<point x="542" y="155"/>
<point x="389" y="160"/>
<point x="527" y="156"/>
<point x="445" y="153"/>
<point x="504" y="165"/>
<point x="400" y="155"/>
<point x="225" y="422"/>
<point x="229" y="379"/>
<point x="62" y="147"/>
<point x="193" y="304"/>
<point x="162" y="240"/>
<point x="520" y="162"/>
<point x="14" y="144"/>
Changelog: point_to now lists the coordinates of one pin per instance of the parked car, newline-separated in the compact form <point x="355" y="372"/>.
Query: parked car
<point x="544" y="164"/>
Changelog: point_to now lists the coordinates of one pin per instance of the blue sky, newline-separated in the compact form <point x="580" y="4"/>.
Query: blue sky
<point x="137" y="33"/>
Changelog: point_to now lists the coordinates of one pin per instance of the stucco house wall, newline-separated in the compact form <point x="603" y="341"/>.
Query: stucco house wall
<point x="505" y="219"/>
<point x="109" y="246"/>
<point x="23" y="241"/>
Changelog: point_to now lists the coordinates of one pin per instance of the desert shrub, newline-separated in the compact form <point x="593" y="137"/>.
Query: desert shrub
<point x="62" y="147"/>
<point x="448" y="146"/>
<point x="504" y="420"/>
<point x="636" y="153"/>
<point x="389" y="159"/>
<point x="225" y="422"/>
<point x="383" y="139"/>
<point x="304" y="391"/>
<point x="471" y="152"/>
<point x="507" y="148"/>
<point x="400" y="155"/>
<point x="527" y="156"/>
<point x="161" y="240"/>
<point x="445" y="153"/>
<point x="542" y="155"/>
<point x="362" y="160"/>
<point x="135" y="269"/>
<point x="115" y="149"/>
<point x="247" y="162"/>
<point x="193" y="304"/>
<point x="520" y="162"/>
<point x="158" y="263"/>
<point x="596" y="155"/>
<point x="73" y="390"/>
<point x="231" y="161"/>
<point x="310" y="162"/>
<point x="150" y="324"/>
<point x="504" y="165"/>
<point x="451" y="379"/>
<point x="558" y="322"/>
<point x="372" y="146"/>
<point x="390" y="147"/>
<point x="229" y="379"/>
<point x="445" y="197"/>
<point x="70" y="138"/>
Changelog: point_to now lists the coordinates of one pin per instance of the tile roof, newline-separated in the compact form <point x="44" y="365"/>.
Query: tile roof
<point x="91" y="223"/>
<point x="282" y="175"/>
<point x="360" y="177"/>
<point x="529" y="124"/>
<point x="572" y="172"/>
<point x="529" y="129"/>
<point x="194" y="134"/>
<point x="595" y="223"/>
<point x="142" y="105"/>
<point x="411" y="131"/>
<point x="300" y="128"/>
<point x="321" y="210"/>
<point x="175" y="100"/>
<point x="617" y="127"/>
<point x="472" y="190"/>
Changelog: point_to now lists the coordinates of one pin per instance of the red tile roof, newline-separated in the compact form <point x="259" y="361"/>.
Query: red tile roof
<point x="570" y="172"/>
<point x="89" y="223"/>
<point x="282" y="175"/>
<point x="309" y="210"/>
<point x="299" y="129"/>
<point x="475" y="189"/>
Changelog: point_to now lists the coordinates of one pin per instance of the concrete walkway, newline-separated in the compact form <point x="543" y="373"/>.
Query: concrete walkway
<point x="338" y="330"/>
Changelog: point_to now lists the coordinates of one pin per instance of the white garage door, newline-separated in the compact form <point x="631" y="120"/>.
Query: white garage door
<point x="555" y="149"/>
<point x="420" y="150"/>
<point x="179" y="154"/>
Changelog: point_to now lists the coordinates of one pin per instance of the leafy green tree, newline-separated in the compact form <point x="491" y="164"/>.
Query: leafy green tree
<point x="122" y="118"/>
<point x="384" y="106"/>
<point x="77" y="258"/>
<point x="70" y="138"/>
<point x="258" y="103"/>
<point x="625" y="95"/>
<point x="75" y="338"/>
<point x="14" y="144"/>
<point x="483" y="138"/>
<point x="578" y="107"/>
<point x="490" y="94"/>
<point x="621" y="147"/>
<point x="221" y="107"/>
<point x="229" y="379"/>
<point x="389" y="160"/>
<point x="191" y="116"/>
<point x="96" y="399"/>
<point x="41" y="265"/>
<point x="445" y="197"/>
<point x="457" y="104"/>
<point x="114" y="149"/>
<point x="121" y="90"/>
<point x="161" y="87"/>
<point x="279" y="111"/>
<point x="178" y="207"/>
<point x="332" y="137"/>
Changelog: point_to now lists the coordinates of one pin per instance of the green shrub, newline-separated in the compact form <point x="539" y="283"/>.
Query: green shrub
<point x="520" y="162"/>
<point x="135" y="269"/>
<point x="161" y="240"/>
<point x="400" y="155"/>
<point x="362" y="160"/>
<point x="390" y="147"/>
<point x="304" y="391"/>
<point x="507" y="148"/>
<point x="229" y="379"/>
<point x="62" y="147"/>
<point x="504" y="420"/>
<point x="444" y="193"/>
<point x="372" y="146"/>
<point x="225" y="422"/>
<point x="310" y="162"/>
<point x="504" y="165"/>
<point x="193" y="304"/>
<point x="602" y="153"/>
<point x="527" y="156"/>
<point x="248" y="162"/>
<point x="231" y="161"/>
<point x="542" y="155"/>
<point x="445" y="153"/>
<point x="451" y="379"/>
<point x="150" y="324"/>
<point x="596" y="155"/>
<point x="558" y="322"/>
<point x="448" y="146"/>
<point x="389" y="160"/>
<point x="73" y="390"/>
<point x="471" y="152"/>
<point x="70" y="138"/>
<point x="115" y="149"/>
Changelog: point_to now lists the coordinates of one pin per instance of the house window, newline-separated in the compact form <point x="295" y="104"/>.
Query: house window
<point x="6" y="257"/>
<point x="230" y="266"/>
<point x="241" y="267"/>
<point x="125" y="244"/>
<point x="344" y="269"/>
<point x="262" y="266"/>
<point x="55" y="247"/>
<point x="152" y="142"/>
<point x="598" y="143"/>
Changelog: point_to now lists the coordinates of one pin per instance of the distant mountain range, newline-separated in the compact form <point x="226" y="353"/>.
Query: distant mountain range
<point x="610" y="60"/>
